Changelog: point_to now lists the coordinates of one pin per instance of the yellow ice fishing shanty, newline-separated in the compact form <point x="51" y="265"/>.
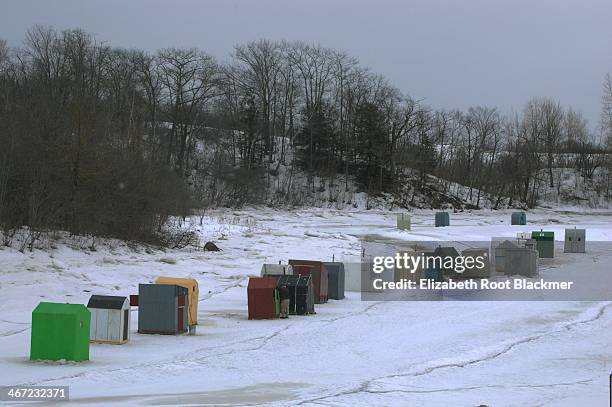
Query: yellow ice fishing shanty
<point x="193" y="294"/>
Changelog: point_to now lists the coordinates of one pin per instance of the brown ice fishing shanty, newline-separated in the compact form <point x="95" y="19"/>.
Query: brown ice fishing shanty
<point x="193" y="294"/>
<point x="320" y="277"/>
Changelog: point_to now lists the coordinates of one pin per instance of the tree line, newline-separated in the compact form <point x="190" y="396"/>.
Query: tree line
<point x="108" y="141"/>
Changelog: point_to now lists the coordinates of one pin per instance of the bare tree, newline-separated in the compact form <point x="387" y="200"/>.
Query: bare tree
<point x="189" y="79"/>
<point x="606" y="109"/>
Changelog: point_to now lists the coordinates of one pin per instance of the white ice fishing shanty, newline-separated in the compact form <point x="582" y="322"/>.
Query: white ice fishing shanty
<point x="110" y="319"/>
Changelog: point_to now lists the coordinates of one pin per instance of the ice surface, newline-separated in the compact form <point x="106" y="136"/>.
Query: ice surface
<point x="349" y="353"/>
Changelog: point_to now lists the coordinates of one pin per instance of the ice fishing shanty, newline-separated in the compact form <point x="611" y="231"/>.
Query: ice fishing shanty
<point x="110" y="319"/>
<point x="336" y="278"/>
<point x="575" y="241"/>
<point x="436" y="263"/>
<point x="545" y="243"/>
<point x="263" y="298"/>
<point x="404" y="273"/>
<point x="498" y="252"/>
<point x="193" y="294"/>
<point x="162" y="309"/>
<point x="473" y="270"/>
<point x="518" y="218"/>
<point x="276" y="270"/>
<point x="60" y="331"/>
<point x="430" y="270"/>
<point x="403" y="221"/>
<point x="520" y="261"/>
<point x="442" y="219"/>
<point x="445" y="253"/>
<point x="301" y="296"/>
<point x="320" y="278"/>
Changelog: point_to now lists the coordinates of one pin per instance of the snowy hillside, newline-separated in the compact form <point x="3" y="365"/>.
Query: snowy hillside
<point x="349" y="353"/>
<point x="282" y="183"/>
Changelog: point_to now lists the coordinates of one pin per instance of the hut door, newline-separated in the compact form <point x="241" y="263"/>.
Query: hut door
<point x="181" y="308"/>
<point x="126" y="320"/>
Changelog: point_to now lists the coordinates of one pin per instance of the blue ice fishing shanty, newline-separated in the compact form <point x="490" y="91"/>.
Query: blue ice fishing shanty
<point x="518" y="218"/>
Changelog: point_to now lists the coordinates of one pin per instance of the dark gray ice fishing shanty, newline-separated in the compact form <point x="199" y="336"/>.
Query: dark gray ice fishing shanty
<point x="162" y="309"/>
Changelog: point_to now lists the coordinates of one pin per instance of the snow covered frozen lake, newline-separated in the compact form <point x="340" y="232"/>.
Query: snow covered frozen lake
<point x="351" y="352"/>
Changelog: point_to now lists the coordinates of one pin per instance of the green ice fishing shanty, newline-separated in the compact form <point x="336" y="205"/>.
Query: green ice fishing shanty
<point x="403" y="221"/>
<point x="545" y="243"/>
<point x="60" y="331"/>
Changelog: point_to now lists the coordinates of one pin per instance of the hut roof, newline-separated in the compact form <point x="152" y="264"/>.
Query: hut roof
<point x="106" y="302"/>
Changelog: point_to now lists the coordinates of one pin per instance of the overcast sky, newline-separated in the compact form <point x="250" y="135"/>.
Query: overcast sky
<point x="451" y="53"/>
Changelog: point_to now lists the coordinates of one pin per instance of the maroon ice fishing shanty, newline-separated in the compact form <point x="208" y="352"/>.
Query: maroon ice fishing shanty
<point x="263" y="298"/>
<point x="318" y="272"/>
